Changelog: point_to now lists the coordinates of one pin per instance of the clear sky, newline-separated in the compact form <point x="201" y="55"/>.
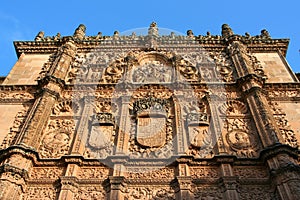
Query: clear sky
<point x="22" y="20"/>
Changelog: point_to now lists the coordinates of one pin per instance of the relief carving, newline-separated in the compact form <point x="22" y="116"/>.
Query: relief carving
<point x="90" y="192"/>
<point x="93" y="173"/>
<point x="224" y="66"/>
<point x="204" y="172"/>
<point x="57" y="138"/>
<point x="40" y="193"/>
<point x="152" y="72"/>
<point x="16" y="128"/>
<point x="150" y="173"/>
<point x="188" y="70"/>
<point x="45" y="173"/>
<point x="255" y="192"/>
<point x="207" y="193"/>
<point x="151" y="129"/>
<point x="149" y="192"/>
<point x="284" y="127"/>
<point x="66" y="108"/>
<point x="250" y="172"/>
<point x="241" y="138"/>
<point x="101" y="131"/>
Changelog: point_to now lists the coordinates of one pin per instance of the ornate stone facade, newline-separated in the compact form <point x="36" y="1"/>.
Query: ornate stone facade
<point x="150" y="117"/>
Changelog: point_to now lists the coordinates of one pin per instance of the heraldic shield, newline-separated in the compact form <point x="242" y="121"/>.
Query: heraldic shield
<point x="151" y="131"/>
<point x="198" y="128"/>
<point x="101" y="133"/>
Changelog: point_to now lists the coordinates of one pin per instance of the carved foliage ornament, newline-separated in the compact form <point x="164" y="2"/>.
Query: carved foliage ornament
<point x="16" y="128"/>
<point x="286" y="131"/>
<point x="224" y="66"/>
<point x="152" y="72"/>
<point x="57" y="138"/>
<point x="149" y="192"/>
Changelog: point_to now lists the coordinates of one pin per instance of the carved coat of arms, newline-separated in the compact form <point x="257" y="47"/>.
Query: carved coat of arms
<point x="151" y="131"/>
<point x="151" y="122"/>
<point x="101" y="131"/>
<point x="198" y="129"/>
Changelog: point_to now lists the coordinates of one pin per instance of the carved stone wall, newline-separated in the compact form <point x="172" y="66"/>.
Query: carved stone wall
<point x="150" y="117"/>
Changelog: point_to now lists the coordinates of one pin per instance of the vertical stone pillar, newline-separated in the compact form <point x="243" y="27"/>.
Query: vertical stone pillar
<point x="69" y="187"/>
<point x="124" y="127"/>
<point x="181" y="138"/>
<point x="117" y="180"/>
<point x="251" y="85"/>
<point x="13" y="175"/>
<point x="83" y="128"/>
<point x="51" y="87"/>
<point x="69" y="183"/>
<point x="229" y="182"/>
<point x="31" y="134"/>
<point x="15" y="170"/>
<point x="216" y="128"/>
<point x="184" y="182"/>
<point x="285" y="172"/>
<point x="262" y="116"/>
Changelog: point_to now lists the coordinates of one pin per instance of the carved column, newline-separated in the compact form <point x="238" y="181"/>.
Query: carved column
<point x="69" y="187"/>
<point x="124" y="127"/>
<point x="229" y="182"/>
<point x="182" y="140"/>
<point x="69" y="183"/>
<point x="284" y="171"/>
<point x="13" y="175"/>
<point x="51" y="87"/>
<point x="184" y="182"/>
<point x="31" y="134"/>
<point x="251" y="85"/>
<point x="262" y="115"/>
<point x="216" y="128"/>
<point x="83" y="128"/>
<point x="117" y="180"/>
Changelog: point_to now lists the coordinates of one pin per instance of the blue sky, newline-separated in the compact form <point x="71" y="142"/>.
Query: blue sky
<point x="21" y="20"/>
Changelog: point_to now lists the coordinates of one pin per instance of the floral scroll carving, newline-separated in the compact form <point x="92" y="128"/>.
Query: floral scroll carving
<point x="93" y="173"/>
<point x="286" y="131"/>
<point x="45" y="173"/>
<point x="150" y="192"/>
<point x="57" y="138"/>
<point x="41" y="193"/>
<point x="150" y="173"/>
<point x="90" y="192"/>
<point x="240" y="135"/>
<point x="224" y="66"/>
<point x="15" y="129"/>
<point x="204" y="172"/>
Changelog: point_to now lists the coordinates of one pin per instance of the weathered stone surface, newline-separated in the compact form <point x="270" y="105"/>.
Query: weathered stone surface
<point x="150" y="117"/>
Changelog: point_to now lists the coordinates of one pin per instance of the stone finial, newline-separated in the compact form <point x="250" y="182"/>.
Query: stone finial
<point x="80" y="32"/>
<point x="153" y="30"/>
<point x="190" y="33"/>
<point x="57" y="37"/>
<point x="265" y="34"/>
<point x="116" y="35"/>
<point x="99" y="35"/>
<point x="40" y="36"/>
<point x="226" y="30"/>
